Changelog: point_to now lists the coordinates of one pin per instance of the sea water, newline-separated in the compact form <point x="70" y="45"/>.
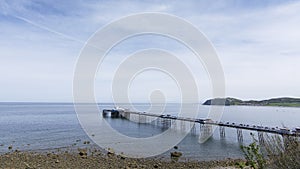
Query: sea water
<point x="47" y="126"/>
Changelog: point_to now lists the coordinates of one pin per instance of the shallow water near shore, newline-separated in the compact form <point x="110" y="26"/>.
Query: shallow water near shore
<point x="46" y="126"/>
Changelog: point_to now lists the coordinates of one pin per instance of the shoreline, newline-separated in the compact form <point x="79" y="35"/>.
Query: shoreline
<point x="95" y="158"/>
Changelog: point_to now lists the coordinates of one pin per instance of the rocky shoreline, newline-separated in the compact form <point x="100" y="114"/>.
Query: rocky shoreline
<point x="93" y="158"/>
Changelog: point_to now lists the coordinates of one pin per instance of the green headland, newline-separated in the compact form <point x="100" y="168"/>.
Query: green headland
<point x="229" y="101"/>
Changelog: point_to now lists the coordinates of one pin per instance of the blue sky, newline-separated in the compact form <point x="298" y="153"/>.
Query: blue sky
<point x="257" y="43"/>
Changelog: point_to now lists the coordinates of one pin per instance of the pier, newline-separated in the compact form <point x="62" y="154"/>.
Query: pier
<point x="206" y="125"/>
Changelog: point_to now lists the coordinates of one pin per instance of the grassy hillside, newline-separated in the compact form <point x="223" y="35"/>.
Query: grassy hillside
<point x="284" y="101"/>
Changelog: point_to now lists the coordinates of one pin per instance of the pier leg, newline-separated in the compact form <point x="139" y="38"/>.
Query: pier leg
<point x="160" y="122"/>
<point x="205" y="132"/>
<point x="173" y="122"/>
<point x="127" y="116"/>
<point x="193" y="130"/>
<point x="222" y="131"/>
<point x="239" y="135"/>
<point x="165" y="123"/>
<point x="261" y="138"/>
<point x="151" y="120"/>
<point x="143" y="119"/>
<point x="182" y="126"/>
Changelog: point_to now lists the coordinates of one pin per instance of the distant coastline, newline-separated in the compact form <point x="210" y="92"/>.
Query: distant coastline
<point x="229" y="101"/>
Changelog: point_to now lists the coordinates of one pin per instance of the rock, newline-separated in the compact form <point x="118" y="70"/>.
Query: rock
<point x="57" y="161"/>
<point x="27" y="166"/>
<point x="176" y="154"/>
<point x="86" y="142"/>
<point x="53" y="156"/>
<point x="122" y="157"/>
<point x="110" y="152"/>
<point x="142" y="166"/>
<point x="83" y="153"/>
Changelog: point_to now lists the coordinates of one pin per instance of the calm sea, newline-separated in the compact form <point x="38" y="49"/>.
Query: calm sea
<point x="46" y="126"/>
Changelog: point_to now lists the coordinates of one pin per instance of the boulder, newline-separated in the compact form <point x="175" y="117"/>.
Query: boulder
<point x="176" y="154"/>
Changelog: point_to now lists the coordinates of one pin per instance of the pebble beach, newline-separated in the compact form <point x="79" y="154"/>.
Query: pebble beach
<point x="86" y="158"/>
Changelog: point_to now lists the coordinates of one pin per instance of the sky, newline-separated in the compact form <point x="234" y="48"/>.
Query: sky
<point x="257" y="43"/>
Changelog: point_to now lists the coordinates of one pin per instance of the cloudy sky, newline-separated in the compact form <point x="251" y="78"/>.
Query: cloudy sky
<point x="258" y="44"/>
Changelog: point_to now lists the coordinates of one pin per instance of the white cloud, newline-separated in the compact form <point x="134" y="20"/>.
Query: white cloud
<point x="258" y="45"/>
